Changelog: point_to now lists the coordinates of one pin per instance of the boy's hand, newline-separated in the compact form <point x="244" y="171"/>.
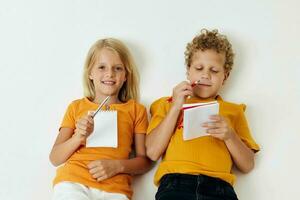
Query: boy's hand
<point x="84" y="127"/>
<point x="219" y="128"/>
<point x="180" y="92"/>
<point x="104" y="169"/>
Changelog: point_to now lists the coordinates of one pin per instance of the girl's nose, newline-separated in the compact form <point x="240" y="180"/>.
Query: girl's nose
<point x="110" y="72"/>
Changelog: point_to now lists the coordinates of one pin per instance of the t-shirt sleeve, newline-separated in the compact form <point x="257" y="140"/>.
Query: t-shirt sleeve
<point x="242" y="129"/>
<point x="158" y="112"/>
<point x="69" y="117"/>
<point x="141" y="120"/>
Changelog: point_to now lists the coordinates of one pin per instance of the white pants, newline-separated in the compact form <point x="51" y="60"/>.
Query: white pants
<point x="77" y="191"/>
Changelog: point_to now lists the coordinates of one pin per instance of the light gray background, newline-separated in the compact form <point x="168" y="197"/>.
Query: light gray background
<point x="43" y="45"/>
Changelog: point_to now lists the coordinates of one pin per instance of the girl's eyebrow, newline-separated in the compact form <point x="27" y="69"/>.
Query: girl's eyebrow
<point x="119" y="64"/>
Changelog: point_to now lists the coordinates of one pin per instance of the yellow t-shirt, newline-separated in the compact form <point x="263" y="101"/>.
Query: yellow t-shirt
<point x="132" y="119"/>
<point x="204" y="155"/>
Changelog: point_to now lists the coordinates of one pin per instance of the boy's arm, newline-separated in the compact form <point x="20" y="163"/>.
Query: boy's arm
<point x="242" y="156"/>
<point x="158" y="139"/>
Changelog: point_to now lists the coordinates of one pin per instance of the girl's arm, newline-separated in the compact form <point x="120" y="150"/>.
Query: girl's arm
<point x="64" y="146"/>
<point x="103" y="169"/>
<point x="69" y="140"/>
<point x="140" y="164"/>
<point x="158" y="139"/>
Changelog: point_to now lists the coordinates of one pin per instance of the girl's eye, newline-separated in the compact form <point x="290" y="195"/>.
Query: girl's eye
<point x="101" y="67"/>
<point x="119" y="68"/>
<point x="199" y="68"/>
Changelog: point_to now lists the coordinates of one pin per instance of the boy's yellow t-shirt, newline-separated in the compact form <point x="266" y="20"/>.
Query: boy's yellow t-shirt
<point x="204" y="155"/>
<point x="132" y="119"/>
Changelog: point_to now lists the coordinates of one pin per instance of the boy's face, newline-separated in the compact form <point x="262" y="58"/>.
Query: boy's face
<point x="207" y="67"/>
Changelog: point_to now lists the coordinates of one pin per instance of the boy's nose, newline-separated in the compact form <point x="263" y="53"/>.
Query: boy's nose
<point x="205" y="75"/>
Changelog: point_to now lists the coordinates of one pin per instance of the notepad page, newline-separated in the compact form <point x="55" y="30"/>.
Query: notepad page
<point x="193" y="118"/>
<point x="105" y="132"/>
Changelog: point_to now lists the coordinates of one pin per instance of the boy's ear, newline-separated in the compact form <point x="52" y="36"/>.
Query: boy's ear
<point x="187" y="73"/>
<point x="225" y="77"/>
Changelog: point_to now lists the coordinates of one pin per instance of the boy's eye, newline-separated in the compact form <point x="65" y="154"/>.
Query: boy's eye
<point x="214" y="70"/>
<point x="199" y="68"/>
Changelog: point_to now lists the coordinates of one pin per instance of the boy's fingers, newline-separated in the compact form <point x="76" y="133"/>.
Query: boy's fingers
<point x="215" y="131"/>
<point x="213" y="124"/>
<point x="215" y="117"/>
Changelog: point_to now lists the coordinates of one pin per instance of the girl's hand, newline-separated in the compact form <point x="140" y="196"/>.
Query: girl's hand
<point x="180" y="92"/>
<point x="84" y="127"/>
<point x="219" y="128"/>
<point x="104" y="169"/>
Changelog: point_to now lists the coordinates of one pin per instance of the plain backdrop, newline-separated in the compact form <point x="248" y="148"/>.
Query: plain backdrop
<point x="43" y="45"/>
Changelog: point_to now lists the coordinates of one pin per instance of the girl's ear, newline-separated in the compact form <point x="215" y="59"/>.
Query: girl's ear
<point x="90" y="77"/>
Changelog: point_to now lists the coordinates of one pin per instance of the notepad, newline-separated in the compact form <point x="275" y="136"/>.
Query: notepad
<point x="105" y="132"/>
<point x="194" y="115"/>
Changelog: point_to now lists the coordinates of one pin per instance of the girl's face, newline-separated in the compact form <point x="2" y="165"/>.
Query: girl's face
<point x="207" y="67"/>
<point x="108" y="74"/>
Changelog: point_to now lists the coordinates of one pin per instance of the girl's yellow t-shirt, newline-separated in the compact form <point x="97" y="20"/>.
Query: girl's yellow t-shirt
<point x="204" y="155"/>
<point x="132" y="119"/>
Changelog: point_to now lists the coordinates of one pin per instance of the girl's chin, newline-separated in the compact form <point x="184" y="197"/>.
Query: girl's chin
<point x="108" y="93"/>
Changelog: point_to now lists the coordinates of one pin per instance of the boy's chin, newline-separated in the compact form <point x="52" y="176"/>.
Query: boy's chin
<point x="205" y="96"/>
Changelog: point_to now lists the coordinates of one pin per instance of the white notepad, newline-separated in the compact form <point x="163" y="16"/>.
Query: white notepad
<point x="105" y="132"/>
<point x="194" y="115"/>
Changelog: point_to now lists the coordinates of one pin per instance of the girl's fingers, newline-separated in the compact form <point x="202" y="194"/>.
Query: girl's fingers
<point x="89" y="118"/>
<point x="94" y="170"/>
<point x="80" y="132"/>
<point x="92" y="164"/>
<point x="96" y="175"/>
<point x="101" y="178"/>
<point x="84" y="125"/>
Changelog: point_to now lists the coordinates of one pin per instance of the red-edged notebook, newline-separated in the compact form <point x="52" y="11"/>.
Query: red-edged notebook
<point x="194" y="115"/>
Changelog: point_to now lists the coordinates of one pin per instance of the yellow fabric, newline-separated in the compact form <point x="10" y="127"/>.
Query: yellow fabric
<point x="204" y="155"/>
<point x="132" y="119"/>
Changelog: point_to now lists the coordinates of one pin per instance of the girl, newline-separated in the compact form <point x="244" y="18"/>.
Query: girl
<point x="102" y="172"/>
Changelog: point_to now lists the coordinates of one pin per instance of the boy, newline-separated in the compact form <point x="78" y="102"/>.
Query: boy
<point x="200" y="168"/>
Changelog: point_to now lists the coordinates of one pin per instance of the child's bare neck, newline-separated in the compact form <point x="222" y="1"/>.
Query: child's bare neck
<point x="112" y="100"/>
<point x="206" y="98"/>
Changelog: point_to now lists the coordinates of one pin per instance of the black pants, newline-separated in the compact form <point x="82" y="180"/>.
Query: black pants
<point x="194" y="187"/>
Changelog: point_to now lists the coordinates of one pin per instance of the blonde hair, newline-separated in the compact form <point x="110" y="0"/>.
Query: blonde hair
<point x="210" y="40"/>
<point x="130" y="88"/>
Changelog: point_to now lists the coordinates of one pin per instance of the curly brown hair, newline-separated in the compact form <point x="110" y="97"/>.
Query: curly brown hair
<point x="210" y="40"/>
